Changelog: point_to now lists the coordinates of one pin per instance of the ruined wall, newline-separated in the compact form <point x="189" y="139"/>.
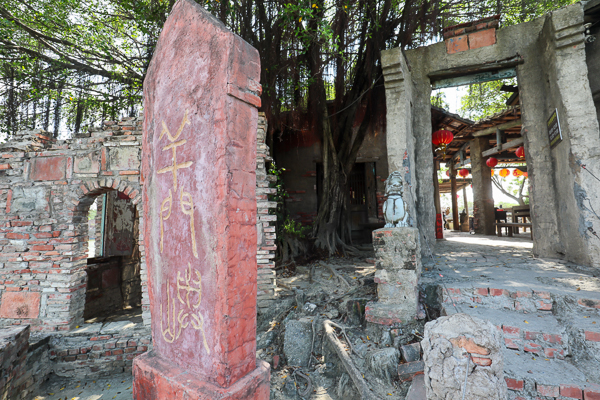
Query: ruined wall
<point x="46" y="188"/>
<point x="265" y="222"/>
<point x="549" y="56"/>
<point x="98" y="349"/>
<point x="14" y="378"/>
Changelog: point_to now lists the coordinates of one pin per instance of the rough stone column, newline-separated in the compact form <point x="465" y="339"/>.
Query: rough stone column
<point x="483" y="199"/>
<point x="398" y="263"/>
<point x="399" y="135"/>
<point x="199" y="162"/>
<point x="459" y="347"/>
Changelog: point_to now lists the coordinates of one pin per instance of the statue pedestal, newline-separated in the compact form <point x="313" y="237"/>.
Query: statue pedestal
<point x="398" y="263"/>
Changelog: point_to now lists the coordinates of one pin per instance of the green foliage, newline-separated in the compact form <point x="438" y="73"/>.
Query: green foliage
<point x="280" y="195"/>
<point x="484" y="99"/>
<point x="294" y="228"/>
<point x="439" y="100"/>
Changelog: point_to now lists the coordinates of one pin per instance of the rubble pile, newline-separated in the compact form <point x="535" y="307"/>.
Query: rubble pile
<point x="319" y="344"/>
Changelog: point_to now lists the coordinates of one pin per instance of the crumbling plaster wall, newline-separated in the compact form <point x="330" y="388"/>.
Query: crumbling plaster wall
<point x="552" y="74"/>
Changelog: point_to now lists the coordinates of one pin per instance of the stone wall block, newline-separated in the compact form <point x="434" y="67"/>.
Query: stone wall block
<point x="459" y="346"/>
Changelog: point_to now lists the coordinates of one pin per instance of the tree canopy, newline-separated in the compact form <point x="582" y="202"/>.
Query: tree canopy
<point x="74" y="63"/>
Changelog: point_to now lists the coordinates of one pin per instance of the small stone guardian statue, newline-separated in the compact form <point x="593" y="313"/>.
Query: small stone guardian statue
<point x="394" y="208"/>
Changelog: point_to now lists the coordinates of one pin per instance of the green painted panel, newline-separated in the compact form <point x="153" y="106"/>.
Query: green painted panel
<point x="475" y="78"/>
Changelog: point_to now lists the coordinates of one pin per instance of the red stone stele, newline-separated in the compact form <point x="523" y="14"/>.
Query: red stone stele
<point x="199" y="158"/>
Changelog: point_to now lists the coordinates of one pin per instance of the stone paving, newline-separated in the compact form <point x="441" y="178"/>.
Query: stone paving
<point x="117" y="387"/>
<point x="548" y="310"/>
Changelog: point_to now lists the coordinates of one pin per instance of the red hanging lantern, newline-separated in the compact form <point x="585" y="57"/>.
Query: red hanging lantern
<point x="504" y="172"/>
<point x="517" y="172"/>
<point x="492" y="172"/>
<point x="491" y="162"/>
<point x="448" y="173"/>
<point x="463" y="172"/>
<point x="441" y="138"/>
<point x="520" y="152"/>
<point x="525" y="174"/>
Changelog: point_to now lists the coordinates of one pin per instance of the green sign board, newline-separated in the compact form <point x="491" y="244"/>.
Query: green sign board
<point x="554" y="132"/>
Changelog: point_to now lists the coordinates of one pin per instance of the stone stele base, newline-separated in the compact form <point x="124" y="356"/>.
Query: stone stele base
<point x="157" y="378"/>
<point x="398" y="263"/>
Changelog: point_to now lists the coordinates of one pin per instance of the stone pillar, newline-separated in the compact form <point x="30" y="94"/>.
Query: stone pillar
<point x="454" y="348"/>
<point x="439" y="220"/>
<point x="398" y="263"/>
<point x="483" y="199"/>
<point x="199" y="160"/>
<point x="453" y="192"/>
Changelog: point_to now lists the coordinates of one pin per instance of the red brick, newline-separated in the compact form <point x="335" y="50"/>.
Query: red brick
<point x="482" y="291"/>
<point x="533" y="348"/>
<point x="549" y="391"/>
<point x="523" y="294"/>
<point x="591" y="391"/>
<point x="20" y="305"/>
<point x="542" y="295"/>
<point x="21" y="223"/>
<point x="512" y="331"/>
<point x="482" y="39"/>
<point x="42" y="247"/>
<point x="14" y="235"/>
<point x="512" y="343"/>
<point x="514" y="384"/>
<point x="552" y="338"/>
<point x="48" y="169"/>
<point x="4" y="166"/>
<point x="592" y="336"/>
<point x="499" y="292"/>
<point x="554" y="353"/>
<point x="571" y="391"/>
<point x="531" y="335"/>
<point x="589" y="303"/>
<point x="103" y="337"/>
<point x="117" y="352"/>
<point x="457" y="44"/>
<point x="544" y="306"/>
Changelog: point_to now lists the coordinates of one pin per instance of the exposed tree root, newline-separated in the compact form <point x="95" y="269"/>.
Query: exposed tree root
<point x="336" y="274"/>
<point x="361" y="385"/>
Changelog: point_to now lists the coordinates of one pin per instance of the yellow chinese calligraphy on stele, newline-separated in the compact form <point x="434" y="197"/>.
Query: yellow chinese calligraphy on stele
<point x="182" y="309"/>
<point x="187" y="286"/>
<point x="166" y="205"/>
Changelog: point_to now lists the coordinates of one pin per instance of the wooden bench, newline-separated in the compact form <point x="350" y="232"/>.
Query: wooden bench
<point x="510" y="226"/>
<point x="520" y="212"/>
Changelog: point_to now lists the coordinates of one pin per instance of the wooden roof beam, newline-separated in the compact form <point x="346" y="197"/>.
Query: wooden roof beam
<point x="492" y="129"/>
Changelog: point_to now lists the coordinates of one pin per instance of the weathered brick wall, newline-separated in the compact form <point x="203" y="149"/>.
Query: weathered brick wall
<point x="265" y="222"/>
<point x="14" y="377"/>
<point x="46" y="188"/>
<point x="98" y="349"/>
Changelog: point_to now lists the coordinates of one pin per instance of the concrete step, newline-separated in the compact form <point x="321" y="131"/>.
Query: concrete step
<point x="539" y="333"/>
<point x="496" y="297"/>
<point x="530" y="377"/>
<point x="583" y="327"/>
